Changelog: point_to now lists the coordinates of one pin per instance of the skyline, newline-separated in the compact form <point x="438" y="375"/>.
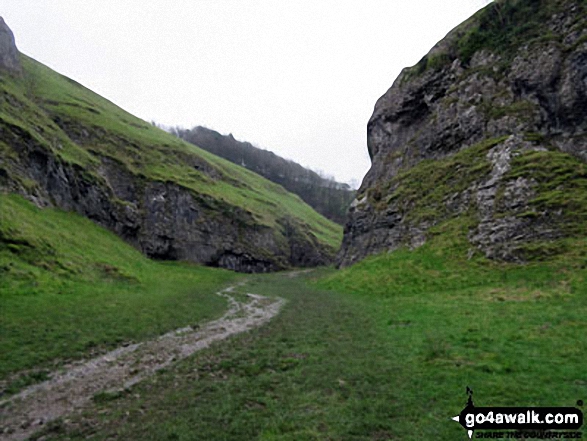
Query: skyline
<point x="299" y="79"/>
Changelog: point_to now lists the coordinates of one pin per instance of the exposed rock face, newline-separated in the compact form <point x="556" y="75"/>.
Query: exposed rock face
<point x="9" y="59"/>
<point x="490" y="117"/>
<point x="80" y="153"/>
<point x="162" y="219"/>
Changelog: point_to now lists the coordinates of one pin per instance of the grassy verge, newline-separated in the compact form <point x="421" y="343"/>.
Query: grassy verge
<point x="383" y="350"/>
<point x="69" y="289"/>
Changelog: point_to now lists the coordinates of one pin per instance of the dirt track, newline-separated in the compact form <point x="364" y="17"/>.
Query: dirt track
<point x="72" y="390"/>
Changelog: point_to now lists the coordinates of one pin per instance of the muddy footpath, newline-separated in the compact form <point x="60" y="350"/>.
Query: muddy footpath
<point x="71" y="390"/>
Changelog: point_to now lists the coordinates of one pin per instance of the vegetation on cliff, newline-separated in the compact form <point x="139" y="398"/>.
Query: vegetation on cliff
<point x="476" y="164"/>
<point x="63" y="145"/>
<point x="501" y="27"/>
<point x="489" y="126"/>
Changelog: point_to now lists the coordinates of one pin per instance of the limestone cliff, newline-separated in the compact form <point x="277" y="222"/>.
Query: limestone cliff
<point x="63" y="146"/>
<point x="488" y="130"/>
<point x="9" y="60"/>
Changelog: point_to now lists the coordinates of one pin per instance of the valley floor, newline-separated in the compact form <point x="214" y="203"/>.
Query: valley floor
<point x="383" y="350"/>
<point x="73" y="387"/>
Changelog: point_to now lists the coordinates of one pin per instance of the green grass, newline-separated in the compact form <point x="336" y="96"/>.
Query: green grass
<point x="80" y="127"/>
<point x="561" y="186"/>
<point x="380" y="350"/>
<point x="420" y="192"/>
<point x="560" y="200"/>
<point x="69" y="288"/>
<point x="308" y="374"/>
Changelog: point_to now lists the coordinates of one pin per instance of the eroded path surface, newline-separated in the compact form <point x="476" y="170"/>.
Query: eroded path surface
<point x="73" y="389"/>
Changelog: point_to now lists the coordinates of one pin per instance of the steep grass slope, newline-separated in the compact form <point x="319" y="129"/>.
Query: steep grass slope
<point x="69" y="288"/>
<point x="63" y="145"/>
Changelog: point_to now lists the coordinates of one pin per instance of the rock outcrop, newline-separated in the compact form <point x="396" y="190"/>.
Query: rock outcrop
<point x="489" y="128"/>
<point x="63" y="146"/>
<point x="9" y="59"/>
<point x="163" y="219"/>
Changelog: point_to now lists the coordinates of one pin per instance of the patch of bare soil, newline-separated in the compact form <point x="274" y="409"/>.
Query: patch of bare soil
<point x="73" y="389"/>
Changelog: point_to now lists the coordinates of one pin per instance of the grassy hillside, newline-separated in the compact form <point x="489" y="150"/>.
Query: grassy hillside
<point x="81" y="128"/>
<point x="69" y="288"/>
<point x="513" y="333"/>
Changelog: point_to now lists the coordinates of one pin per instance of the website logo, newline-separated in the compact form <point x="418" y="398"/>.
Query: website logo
<point x="533" y="421"/>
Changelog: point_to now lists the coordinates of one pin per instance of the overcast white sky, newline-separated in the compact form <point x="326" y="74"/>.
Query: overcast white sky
<point x="297" y="77"/>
